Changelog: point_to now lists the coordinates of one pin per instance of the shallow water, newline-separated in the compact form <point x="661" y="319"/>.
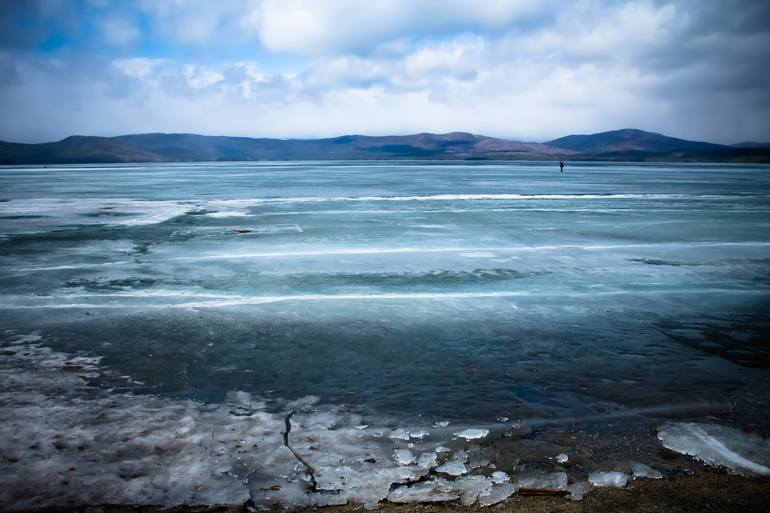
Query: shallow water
<point x="413" y="291"/>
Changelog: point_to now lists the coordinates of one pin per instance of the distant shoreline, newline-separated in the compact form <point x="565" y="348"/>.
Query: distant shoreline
<point x="627" y="145"/>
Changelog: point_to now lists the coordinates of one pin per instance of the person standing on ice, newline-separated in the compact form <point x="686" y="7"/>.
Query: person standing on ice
<point x="561" y="166"/>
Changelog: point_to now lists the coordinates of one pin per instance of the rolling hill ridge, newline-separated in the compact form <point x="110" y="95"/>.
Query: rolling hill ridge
<point x="625" y="144"/>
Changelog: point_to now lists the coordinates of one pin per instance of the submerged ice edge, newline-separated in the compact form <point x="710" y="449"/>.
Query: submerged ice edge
<point x="69" y="442"/>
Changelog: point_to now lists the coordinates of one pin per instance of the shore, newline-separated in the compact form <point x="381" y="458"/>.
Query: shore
<point x="706" y="490"/>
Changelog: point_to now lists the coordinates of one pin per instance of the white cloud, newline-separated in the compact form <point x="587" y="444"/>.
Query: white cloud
<point x="592" y="66"/>
<point x="348" y="26"/>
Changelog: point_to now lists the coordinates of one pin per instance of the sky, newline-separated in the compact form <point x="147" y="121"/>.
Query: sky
<point x="529" y="70"/>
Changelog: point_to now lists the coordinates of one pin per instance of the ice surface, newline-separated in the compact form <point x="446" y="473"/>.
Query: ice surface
<point x="612" y="479"/>
<point x="719" y="445"/>
<point x="291" y="279"/>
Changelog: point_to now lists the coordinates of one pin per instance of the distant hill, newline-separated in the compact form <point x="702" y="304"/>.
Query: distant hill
<point x="627" y="144"/>
<point x="77" y="150"/>
<point x="637" y="145"/>
<point x="751" y="144"/>
<point x="456" y="145"/>
<point x="629" y="139"/>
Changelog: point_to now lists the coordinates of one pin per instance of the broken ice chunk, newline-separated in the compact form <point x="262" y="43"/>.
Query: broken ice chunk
<point x="553" y="482"/>
<point x="642" y="470"/>
<point x="371" y="487"/>
<point x="496" y="493"/>
<point x="472" y="433"/>
<point x="578" y="490"/>
<point x="426" y="491"/>
<point x="427" y="460"/>
<point x="719" y="446"/>
<point x="561" y="458"/>
<point x="453" y="468"/>
<point x="403" y="456"/>
<point x="499" y="476"/>
<point x="418" y="434"/>
<point x="613" y="479"/>
<point x="470" y="487"/>
<point x="441" y="423"/>
<point x="399" y="434"/>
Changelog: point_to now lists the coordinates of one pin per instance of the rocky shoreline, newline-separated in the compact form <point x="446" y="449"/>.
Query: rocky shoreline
<point x="707" y="490"/>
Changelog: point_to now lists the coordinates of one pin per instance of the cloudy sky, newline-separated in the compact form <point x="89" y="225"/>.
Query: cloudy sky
<point x="521" y="69"/>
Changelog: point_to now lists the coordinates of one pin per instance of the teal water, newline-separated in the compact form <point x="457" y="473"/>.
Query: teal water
<point x="460" y="291"/>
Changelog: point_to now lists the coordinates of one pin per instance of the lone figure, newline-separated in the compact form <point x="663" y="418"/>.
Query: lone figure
<point x="561" y="166"/>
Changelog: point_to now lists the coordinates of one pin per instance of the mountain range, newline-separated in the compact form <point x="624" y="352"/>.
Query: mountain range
<point x="619" y="145"/>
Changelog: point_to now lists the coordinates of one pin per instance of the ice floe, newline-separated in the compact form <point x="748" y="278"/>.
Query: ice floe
<point x="718" y="445"/>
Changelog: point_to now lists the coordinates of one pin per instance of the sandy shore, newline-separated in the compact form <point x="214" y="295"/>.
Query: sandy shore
<point x="704" y="491"/>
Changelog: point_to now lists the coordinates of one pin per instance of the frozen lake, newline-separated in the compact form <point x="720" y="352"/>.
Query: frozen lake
<point x="468" y="293"/>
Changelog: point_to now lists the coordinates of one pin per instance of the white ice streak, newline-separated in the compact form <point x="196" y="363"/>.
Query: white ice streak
<point x="468" y="197"/>
<point x="719" y="445"/>
<point x="113" y="211"/>
<point x="493" y="250"/>
<point x="222" y="301"/>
